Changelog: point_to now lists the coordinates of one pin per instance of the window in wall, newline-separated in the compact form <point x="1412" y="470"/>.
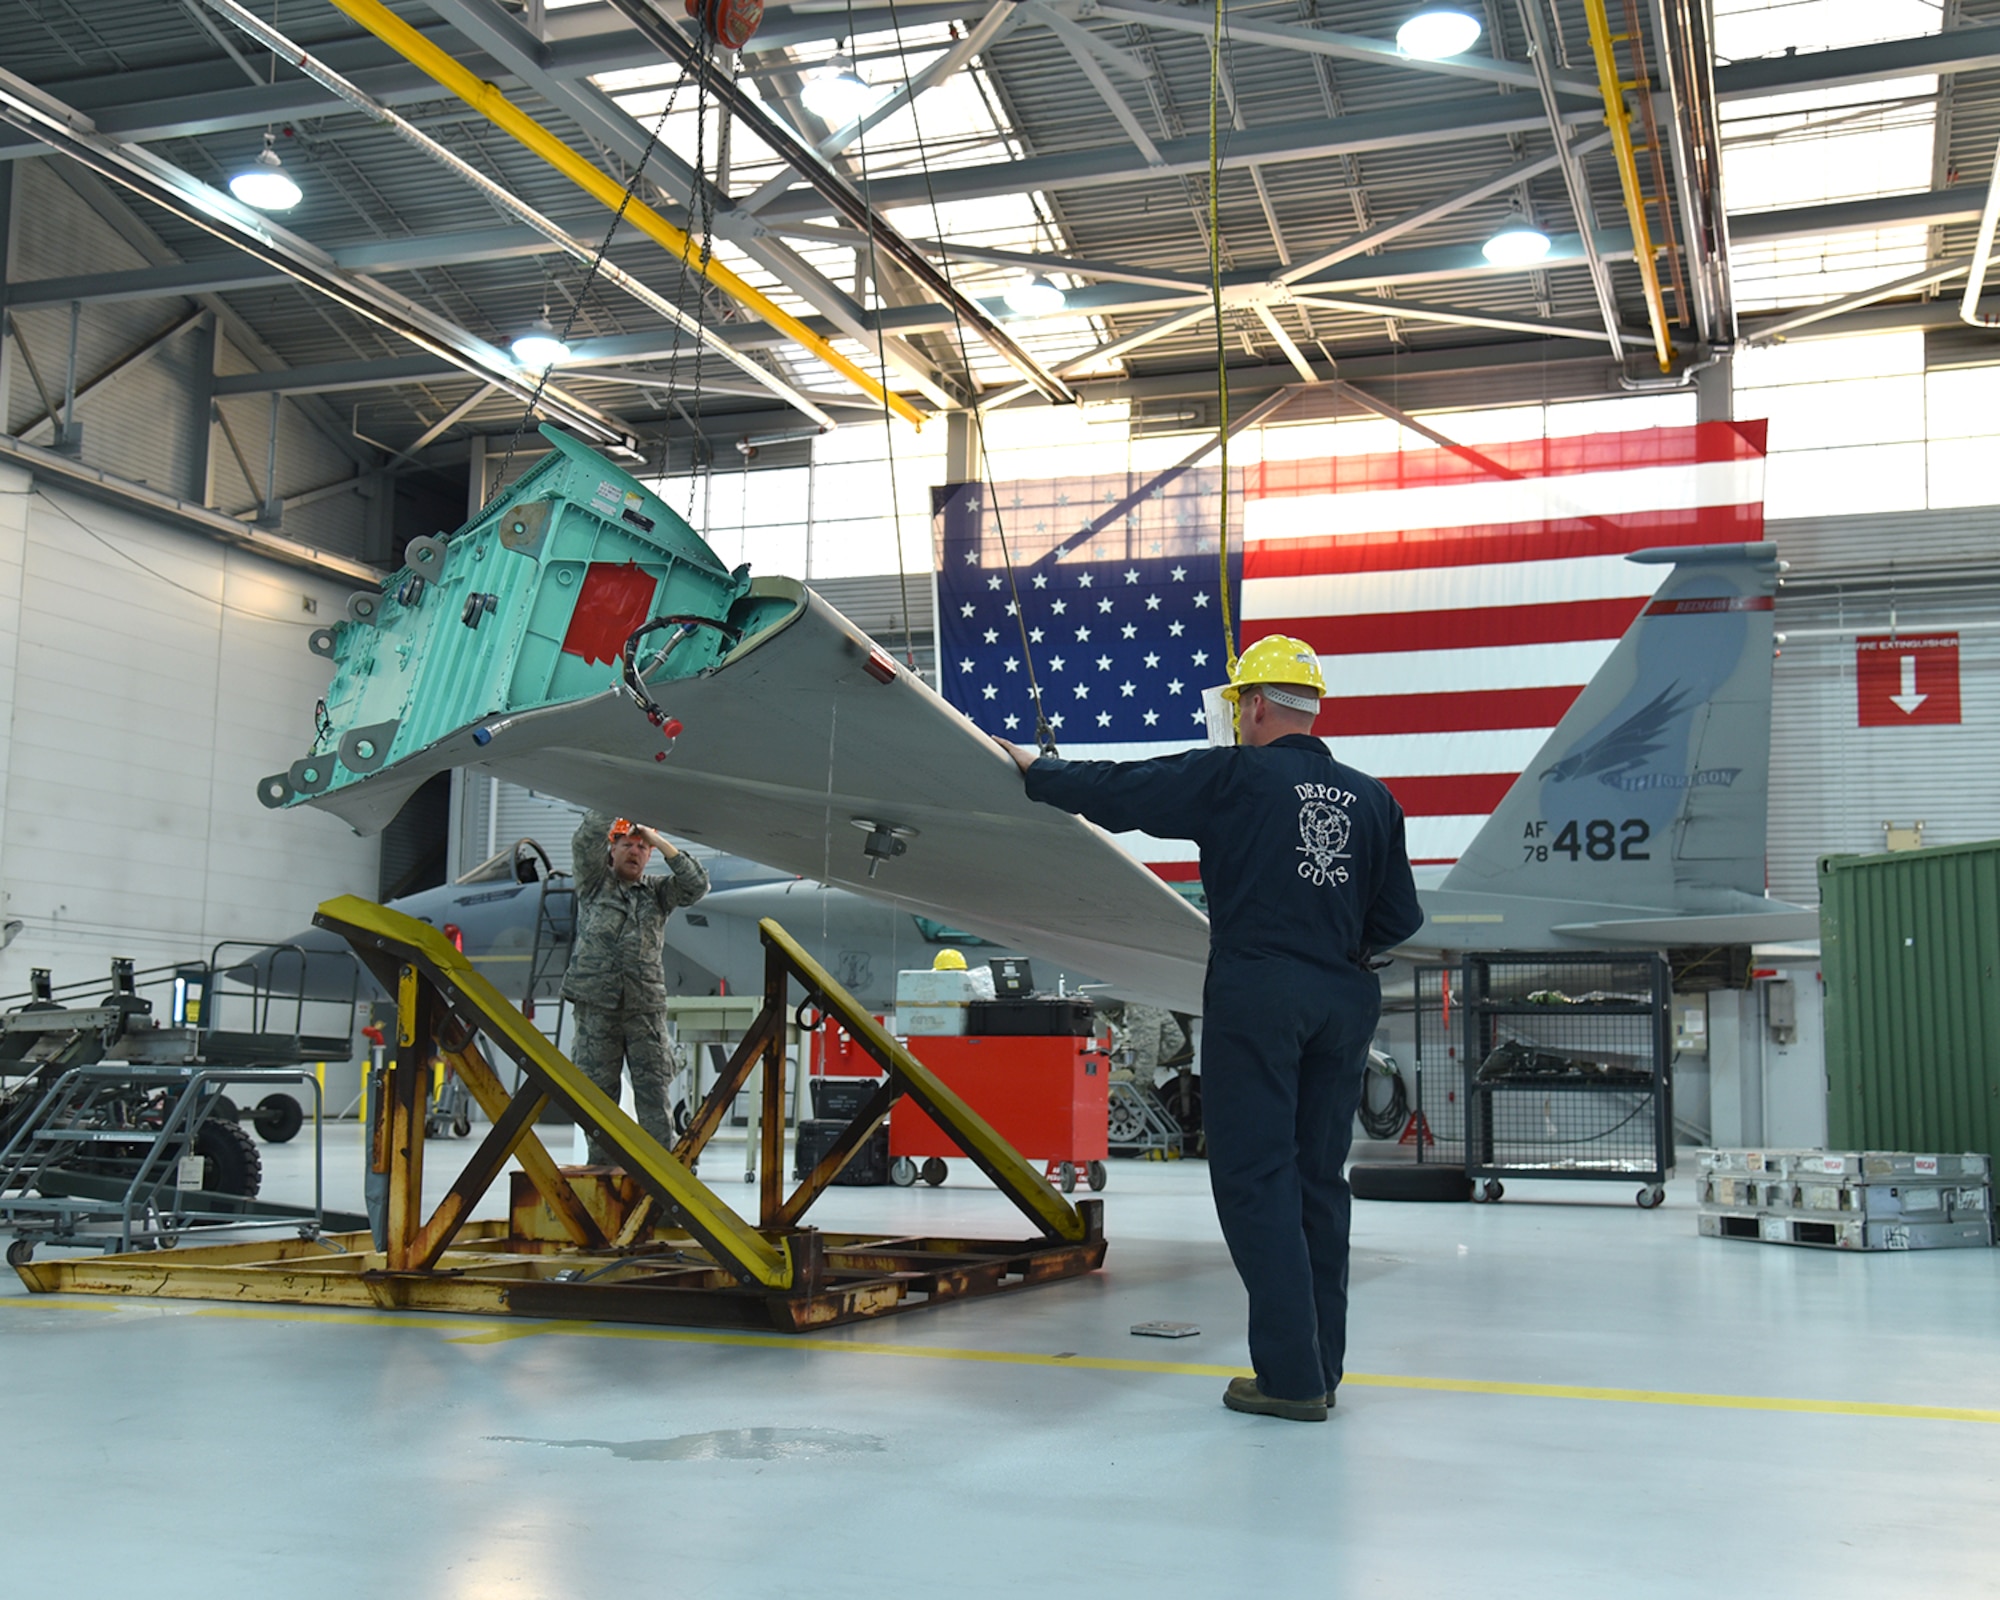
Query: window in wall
<point x="1847" y="423"/>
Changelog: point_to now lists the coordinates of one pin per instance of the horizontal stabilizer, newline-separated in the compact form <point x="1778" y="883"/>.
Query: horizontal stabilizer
<point x="1793" y="925"/>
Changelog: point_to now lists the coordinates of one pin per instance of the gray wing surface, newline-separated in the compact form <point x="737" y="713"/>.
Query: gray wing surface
<point x="792" y="750"/>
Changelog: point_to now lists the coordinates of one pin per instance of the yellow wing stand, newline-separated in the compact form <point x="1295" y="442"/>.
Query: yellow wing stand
<point x="648" y="1241"/>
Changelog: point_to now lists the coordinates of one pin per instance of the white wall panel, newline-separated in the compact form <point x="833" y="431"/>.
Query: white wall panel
<point x="1834" y="783"/>
<point x="148" y="679"/>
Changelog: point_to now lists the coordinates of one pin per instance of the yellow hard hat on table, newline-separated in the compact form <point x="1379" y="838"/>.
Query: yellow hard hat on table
<point x="948" y="961"/>
<point x="1280" y="660"/>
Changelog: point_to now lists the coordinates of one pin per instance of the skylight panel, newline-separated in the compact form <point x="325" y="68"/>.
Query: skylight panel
<point x="1854" y="142"/>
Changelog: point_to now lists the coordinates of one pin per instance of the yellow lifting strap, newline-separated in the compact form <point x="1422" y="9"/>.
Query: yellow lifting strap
<point x="422" y="945"/>
<point x="998" y="1159"/>
<point x="490" y="103"/>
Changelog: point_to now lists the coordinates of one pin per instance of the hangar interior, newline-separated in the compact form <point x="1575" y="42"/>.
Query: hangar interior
<point x="1397" y="328"/>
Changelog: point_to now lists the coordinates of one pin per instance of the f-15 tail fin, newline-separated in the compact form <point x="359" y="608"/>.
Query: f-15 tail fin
<point x="1652" y="790"/>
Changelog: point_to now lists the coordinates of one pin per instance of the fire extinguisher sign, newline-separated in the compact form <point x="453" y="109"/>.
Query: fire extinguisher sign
<point x="1905" y="679"/>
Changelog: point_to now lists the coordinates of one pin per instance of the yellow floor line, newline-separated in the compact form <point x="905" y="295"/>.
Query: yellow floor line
<point x="507" y="1331"/>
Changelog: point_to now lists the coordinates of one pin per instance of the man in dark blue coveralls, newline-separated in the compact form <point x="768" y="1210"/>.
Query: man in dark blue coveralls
<point x="1307" y="878"/>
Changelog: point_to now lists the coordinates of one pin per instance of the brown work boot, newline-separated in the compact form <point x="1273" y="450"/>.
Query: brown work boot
<point x="1243" y="1394"/>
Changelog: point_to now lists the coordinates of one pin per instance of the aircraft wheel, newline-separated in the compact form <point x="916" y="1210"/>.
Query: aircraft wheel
<point x="1100" y="1175"/>
<point x="1127" y="1125"/>
<point x="902" y="1172"/>
<point x="934" y="1171"/>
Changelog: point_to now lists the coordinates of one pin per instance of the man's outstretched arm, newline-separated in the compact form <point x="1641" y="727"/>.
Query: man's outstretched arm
<point x="1169" y="797"/>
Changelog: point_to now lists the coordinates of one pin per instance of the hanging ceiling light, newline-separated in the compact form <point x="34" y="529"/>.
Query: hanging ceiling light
<point x="265" y="184"/>
<point x="1436" y="35"/>
<point x="1035" y="297"/>
<point x="1519" y="243"/>
<point x="837" y="94"/>
<point x="541" y="347"/>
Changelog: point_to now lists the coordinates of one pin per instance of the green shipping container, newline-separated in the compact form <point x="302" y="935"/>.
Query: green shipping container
<point x="1910" y="949"/>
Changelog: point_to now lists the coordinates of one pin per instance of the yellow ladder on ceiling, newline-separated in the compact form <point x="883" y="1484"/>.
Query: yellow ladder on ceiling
<point x="1617" y="82"/>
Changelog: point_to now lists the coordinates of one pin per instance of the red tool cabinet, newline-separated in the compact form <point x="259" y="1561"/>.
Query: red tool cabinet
<point x="1047" y="1096"/>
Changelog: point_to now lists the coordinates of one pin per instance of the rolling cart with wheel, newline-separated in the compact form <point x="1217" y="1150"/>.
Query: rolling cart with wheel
<point x="1566" y="1070"/>
<point x="1047" y="1095"/>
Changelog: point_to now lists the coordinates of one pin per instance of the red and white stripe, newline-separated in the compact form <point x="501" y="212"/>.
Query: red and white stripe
<point x="1460" y="600"/>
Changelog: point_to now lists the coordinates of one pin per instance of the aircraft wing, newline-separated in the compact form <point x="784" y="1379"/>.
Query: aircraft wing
<point x="801" y="742"/>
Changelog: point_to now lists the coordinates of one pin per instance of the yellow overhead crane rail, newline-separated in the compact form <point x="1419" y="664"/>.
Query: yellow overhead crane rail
<point x="646" y="1241"/>
<point x="1618" y="118"/>
<point x="490" y="103"/>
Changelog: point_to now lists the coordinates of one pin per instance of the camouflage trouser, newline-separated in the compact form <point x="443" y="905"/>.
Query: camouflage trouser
<point x="630" y="1036"/>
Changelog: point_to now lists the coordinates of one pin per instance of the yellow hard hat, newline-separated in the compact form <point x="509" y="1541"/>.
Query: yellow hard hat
<point x="948" y="961"/>
<point x="1278" y="659"/>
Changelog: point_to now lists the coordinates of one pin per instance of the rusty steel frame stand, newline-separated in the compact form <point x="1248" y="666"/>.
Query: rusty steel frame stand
<point x="646" y="1241"/>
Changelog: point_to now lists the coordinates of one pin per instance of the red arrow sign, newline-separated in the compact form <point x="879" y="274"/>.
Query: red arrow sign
<point x="1906" y="679"/>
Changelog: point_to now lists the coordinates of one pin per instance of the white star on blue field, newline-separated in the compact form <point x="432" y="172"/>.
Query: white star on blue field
<point x="1124" y="630"/>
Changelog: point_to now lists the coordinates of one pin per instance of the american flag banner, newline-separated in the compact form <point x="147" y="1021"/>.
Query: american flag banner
<point x="1120" y="615"/>
<point x="1459" y="599"/>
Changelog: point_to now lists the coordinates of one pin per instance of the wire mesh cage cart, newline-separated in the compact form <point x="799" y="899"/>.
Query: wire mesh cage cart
<point x="1436" y="1127"/>
<point x="1565" y="1069"/>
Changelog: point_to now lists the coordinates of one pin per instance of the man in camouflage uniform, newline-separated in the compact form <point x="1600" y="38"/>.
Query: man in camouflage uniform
<point x="614" y="978"/>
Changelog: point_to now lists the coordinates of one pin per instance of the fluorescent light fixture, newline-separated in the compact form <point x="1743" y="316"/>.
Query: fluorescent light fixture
<point x="265" y="183"/>
<point x="540" y="347"/>
<point x="1437" y="35"/>
<point x="837" y="94"/>
<point x="1519" y="244"/>
<point x="1035" y="297"/>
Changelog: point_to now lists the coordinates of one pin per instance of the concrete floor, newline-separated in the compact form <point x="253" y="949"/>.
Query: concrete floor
<point x="1559" y="1395"/>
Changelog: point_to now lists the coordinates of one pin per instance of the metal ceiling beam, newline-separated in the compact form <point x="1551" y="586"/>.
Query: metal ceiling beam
<point x="99" y="485"/>
<point x="509" y="203"/>
<point x="163" y="103"/>
<point x="1774" y="329"/>
<point x="1079" y="43"/>
<point x="246" y="272"/>
<point x="1454" y="316"/>
<point x="203" y="98"/>
<point x="1374" y="238"/>
<point x="1000" y="20"/>
<point x="619" y="197"/>
<point x="1076" y="266"/>
<point x="141" y="353"/>
<point x="1448" y="122"/>
<point x="1955" y="50"/>
<point x="1575" y="181"/>
<point x="533" y="64"/>
<point x="333" y="377"/>
<point x="181" y="194"/>
<point x="1321" y="41"/>
<point x="1930" y="209"/>
<point x="1910" y="316"/>
<point x="884" y="237"/>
